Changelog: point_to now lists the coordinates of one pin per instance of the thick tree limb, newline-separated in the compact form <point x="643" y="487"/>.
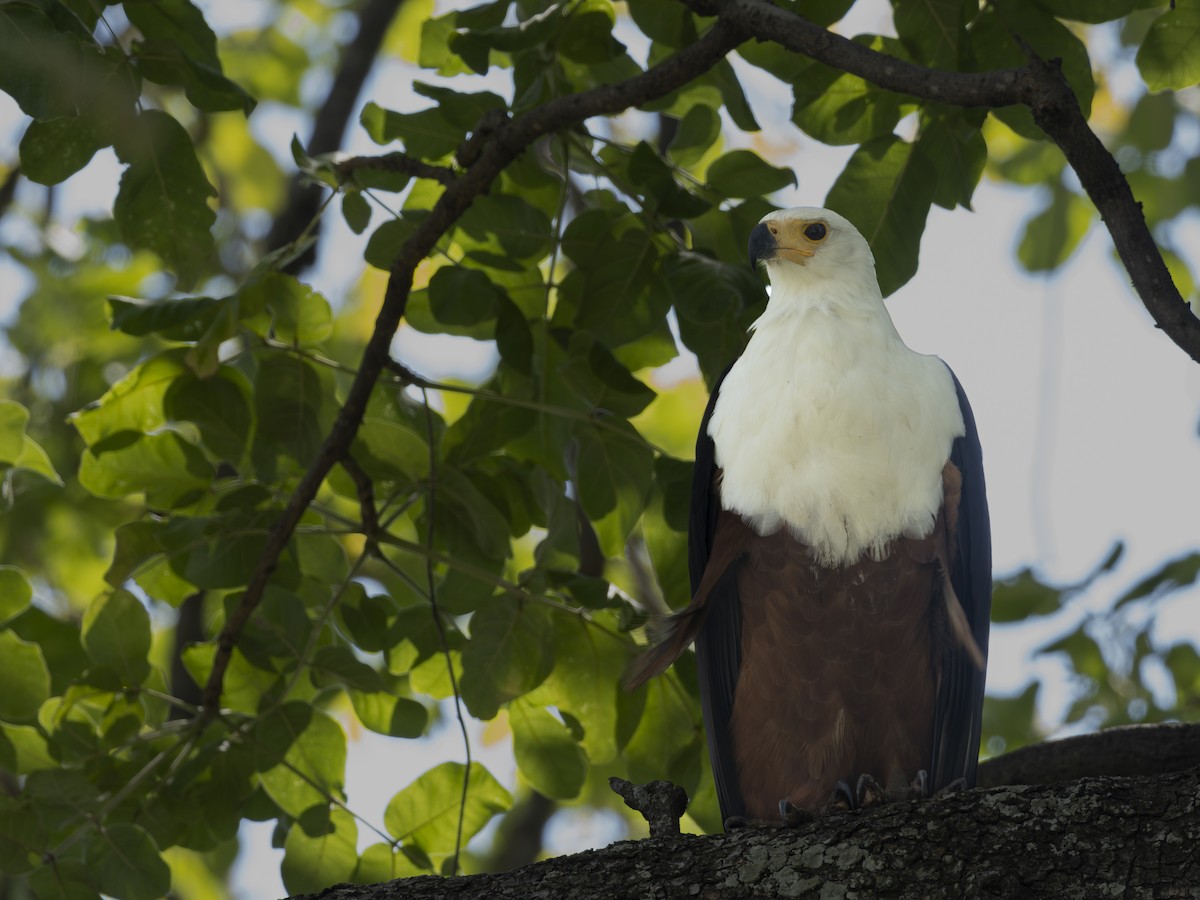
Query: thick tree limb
<point x="1108" y="837"/>
<point x="1127" y="750"/>
<point x="508" y="141"/>
<point x="1040" y="85"/>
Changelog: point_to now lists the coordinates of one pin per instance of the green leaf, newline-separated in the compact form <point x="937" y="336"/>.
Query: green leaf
<point x="613" y="482"/>
<point x="43" y="67"/>
<point x="385" y="713"/>
<point x="994" y="47"/>
<point x="24" y="678"/>
<point x="426" y="813"/>
<point x="1022" y="597"/>
<point x="505" y="226"/>
<point x="386" y="242"/>
<point x="356" y="211"/>
<point x="23" y="749"/>
<point x="13" y="419"/>
<point x="743" y="173"/>
<point x="321" y="849"/>
<point x="135" y="403"/>
<point x="55" y="149"/>
<point x="293" y="407"/>
<point x="836" y="107"/>
<point x="115" y="633"/>
<point x="383" y="862"/>
<point x="279" y="304"/>
<point x="1169" y="57"/>
<point x="169" y="470"/>
<point x="595" y="375"/>
<point x="314" y="764"/>
<point x="162" y="202"/>
<point x="547" y="755"/>
<point x="587" y="687"/>
<point x="339" y="665"/>
<point x="15" y="593"/>
<point x="510" y="653"/>
<point x="932" y="29"/>
<point x="124" y="862"/>
<point x="177" y="21"/>
<point x="958" y="153"/>
<point x="65" y="880"/>
<point x="1055" y="233"/>
<point x="885" y="191"/>
<point x="668" y="727"/>
<point x="698" y="130"/>
<point x="219" y="406"/>
<point x="164" y="62"/>
<point x="1177" y="573"/>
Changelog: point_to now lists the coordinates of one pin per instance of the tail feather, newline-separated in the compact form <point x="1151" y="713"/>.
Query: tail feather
<point x="673" y="634"/>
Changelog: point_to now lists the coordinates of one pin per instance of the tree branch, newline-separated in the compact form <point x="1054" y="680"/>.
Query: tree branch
<point x="329" y="124"/>
<point x="1092" y="838"/>
<point x="508" y="141"/>
<point x="397" y="162"/>
<point x="1040" y="85"/>
<point x="1126" y="750"/>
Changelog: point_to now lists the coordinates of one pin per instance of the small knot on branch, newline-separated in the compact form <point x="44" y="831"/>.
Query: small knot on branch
<point x="660" y="803"/>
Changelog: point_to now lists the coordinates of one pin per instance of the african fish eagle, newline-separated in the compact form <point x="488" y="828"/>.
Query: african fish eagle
<point x="839" y="548"/>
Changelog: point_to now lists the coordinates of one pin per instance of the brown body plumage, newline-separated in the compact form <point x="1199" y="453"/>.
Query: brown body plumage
<point x="838" y="674"/>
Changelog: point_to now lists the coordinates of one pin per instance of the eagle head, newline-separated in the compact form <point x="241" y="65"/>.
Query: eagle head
<point x="810" y="244"/>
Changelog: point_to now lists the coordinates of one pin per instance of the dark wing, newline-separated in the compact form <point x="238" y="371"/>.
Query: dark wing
<point x="719" y="642"/>
<point x="959" y="706"/>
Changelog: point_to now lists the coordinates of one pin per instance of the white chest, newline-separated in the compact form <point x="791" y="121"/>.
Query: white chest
<point x="836" y="430"/>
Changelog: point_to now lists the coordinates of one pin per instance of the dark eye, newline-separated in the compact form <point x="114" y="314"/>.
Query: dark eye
<point x="815" y="232"/>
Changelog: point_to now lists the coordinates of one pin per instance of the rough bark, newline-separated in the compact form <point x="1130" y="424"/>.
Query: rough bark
<point x="1097" y="837"/>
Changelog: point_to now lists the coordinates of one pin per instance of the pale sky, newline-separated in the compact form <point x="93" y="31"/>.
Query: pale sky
<point x="1087" y="415"/>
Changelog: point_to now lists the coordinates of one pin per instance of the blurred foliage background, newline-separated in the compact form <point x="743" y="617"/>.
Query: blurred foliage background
<point x="172" y="365"/>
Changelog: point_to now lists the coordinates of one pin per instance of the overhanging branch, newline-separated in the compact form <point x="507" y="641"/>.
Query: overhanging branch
<point x="1040" y="85"/>
<point x="509" y="140"/>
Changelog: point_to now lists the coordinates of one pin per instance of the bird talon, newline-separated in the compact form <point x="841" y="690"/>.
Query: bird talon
<point x="792" y="815"/>
<point x="920" y="784"/>
<point x="868" y="792"/>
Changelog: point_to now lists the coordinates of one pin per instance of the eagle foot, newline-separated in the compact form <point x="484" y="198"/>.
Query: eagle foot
<point x="791" y="815"/>
<point x="842" y="800"/>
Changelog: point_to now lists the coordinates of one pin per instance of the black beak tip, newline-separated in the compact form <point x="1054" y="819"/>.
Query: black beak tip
<point x="762" y="244"/>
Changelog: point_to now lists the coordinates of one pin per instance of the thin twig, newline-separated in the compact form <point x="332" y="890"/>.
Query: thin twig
<point x="430" y="522"/>
<point x="396" y="162"/>
<point x="366" y="497"/>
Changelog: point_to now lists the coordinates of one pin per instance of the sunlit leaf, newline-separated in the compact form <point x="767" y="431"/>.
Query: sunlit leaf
<point x="24" y="678"/>
<point x="320" y="850"/>
<point x="426" y="813"/>
<point x="164" y="466"/>
<point x="1169" y="58"/>
<point x="547" y="755"/>
<point x="312" y="767"/>
<point x="15" y="592"/>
